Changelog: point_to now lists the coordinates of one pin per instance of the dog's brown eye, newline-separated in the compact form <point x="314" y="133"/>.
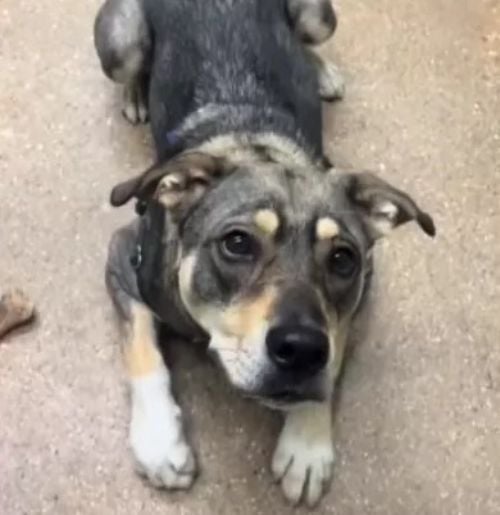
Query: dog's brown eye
<point x="239" y="245"/>
<point x="343" y="262"/>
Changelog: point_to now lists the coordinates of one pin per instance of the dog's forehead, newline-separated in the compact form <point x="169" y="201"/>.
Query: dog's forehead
<point x="297" y="190"/>
<point x="297" y="195"/>
<point x="300" y="193"/>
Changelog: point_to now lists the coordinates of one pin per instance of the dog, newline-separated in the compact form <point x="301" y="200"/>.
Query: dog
<point x="247" y="238"/>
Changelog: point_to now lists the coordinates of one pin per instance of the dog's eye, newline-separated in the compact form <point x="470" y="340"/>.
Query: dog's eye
<point x="238" y="245"/>
<point x="343" y="262"/>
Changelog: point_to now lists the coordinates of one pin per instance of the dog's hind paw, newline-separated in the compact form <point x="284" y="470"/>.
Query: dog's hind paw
<point x="134" y="107"/>
<point x="303" y="460"/>
<point x="331" y="82"/>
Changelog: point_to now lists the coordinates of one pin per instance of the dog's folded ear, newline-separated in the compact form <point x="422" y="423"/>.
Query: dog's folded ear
<point x="139" y="186"/>
<point x="177" y="183"/>
<point x="384" y="207"/>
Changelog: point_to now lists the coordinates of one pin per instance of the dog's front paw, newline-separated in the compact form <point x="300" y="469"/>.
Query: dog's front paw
<point x="159" y="446"/>
<point x="303" y="461"/>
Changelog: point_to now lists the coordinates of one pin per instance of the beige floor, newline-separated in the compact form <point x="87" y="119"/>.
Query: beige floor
<point x="418" y="425"/>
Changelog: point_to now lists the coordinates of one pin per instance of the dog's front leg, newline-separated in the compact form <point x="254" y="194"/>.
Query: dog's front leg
<point x="156" y="432"/>
<point x="303" y="459"/>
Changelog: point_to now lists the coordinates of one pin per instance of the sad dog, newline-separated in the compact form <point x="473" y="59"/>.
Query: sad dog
<point x="248" y="238"/>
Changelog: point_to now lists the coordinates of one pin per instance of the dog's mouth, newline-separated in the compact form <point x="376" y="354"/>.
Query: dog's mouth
<point x="286" y="398"/>
<point x="289" y="389"/>
<point x="278" y="391"/>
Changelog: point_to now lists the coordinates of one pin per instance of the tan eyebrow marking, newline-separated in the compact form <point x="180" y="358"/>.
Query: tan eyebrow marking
<point x="326" y="228"/>
<point x="267" y="220"/>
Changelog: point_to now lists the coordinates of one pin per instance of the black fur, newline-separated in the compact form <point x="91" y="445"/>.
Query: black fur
<point x="241" y="56"/>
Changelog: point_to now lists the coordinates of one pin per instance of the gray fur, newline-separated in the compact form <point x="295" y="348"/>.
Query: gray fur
<point x="243" y="60"/>
<point x="123" y="43"/>
<point x="293" y="261"/>
<point x="313" y="20"/>
<point x="234" y="100"/>
<point x="234" y="82"/>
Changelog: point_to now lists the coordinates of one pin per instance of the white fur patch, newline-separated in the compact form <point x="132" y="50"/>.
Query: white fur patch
<point x="384" y="217"/>
<point x="331" y="81"/>
<point x="243" y="360"/>
<point x="387" y="209"/>
<point x="304" y="457"/>
<point x="186" y="270"/>
<point x="156" y="433"/>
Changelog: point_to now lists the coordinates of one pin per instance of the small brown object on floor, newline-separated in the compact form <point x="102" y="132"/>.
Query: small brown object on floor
<point x="15" y="309"/>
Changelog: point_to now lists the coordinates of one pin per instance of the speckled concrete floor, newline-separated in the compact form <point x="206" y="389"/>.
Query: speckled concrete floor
<point x="418" y="425"/>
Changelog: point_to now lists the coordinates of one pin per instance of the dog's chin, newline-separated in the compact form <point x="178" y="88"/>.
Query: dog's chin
<point x="288" y="399"/>
<point x="286" y="396"/>
<point x="272" y="388"/>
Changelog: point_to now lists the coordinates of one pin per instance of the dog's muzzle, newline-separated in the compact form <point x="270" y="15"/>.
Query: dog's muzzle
<point x="298" y="355"/>
<point x="299" y="350"/>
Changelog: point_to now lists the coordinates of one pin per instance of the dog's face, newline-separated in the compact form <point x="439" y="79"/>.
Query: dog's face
<point x="273" y="264"/>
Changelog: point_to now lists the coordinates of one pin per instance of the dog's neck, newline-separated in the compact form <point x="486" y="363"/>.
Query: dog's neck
<point x="240" y="148"/>
<point x="243" y="133"/>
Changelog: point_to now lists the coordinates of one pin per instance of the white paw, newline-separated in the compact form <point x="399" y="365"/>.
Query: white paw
<point x="331" y="82"/>
<point x="303" y="464"/>
<point x="157" y="440"/>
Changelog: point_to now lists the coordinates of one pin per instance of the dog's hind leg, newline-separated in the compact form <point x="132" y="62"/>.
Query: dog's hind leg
<point x="315" y="21"/>
<point x="156" y="430"/>
<point x="123" y="44"/>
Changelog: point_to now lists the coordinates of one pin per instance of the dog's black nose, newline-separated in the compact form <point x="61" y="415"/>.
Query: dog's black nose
<point x="299" y="349"/>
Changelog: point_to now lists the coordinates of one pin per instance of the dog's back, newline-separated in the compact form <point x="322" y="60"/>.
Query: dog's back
<point x="238" y="55"/>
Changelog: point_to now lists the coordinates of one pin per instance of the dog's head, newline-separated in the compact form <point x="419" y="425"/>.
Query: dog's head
<point x="274" y="261"/>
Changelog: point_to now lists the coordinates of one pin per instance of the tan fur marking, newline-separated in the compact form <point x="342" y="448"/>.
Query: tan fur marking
<point x="141" y="354"/>
<point x="267" y="221"/>
<point x="326" y="229"/>
<point x="186" y="268"/>
<point x="339" y="338"/>
<point x="243" y="319"/>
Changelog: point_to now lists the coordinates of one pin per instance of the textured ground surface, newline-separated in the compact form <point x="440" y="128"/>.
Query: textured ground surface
<point x="418" y="424"/>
